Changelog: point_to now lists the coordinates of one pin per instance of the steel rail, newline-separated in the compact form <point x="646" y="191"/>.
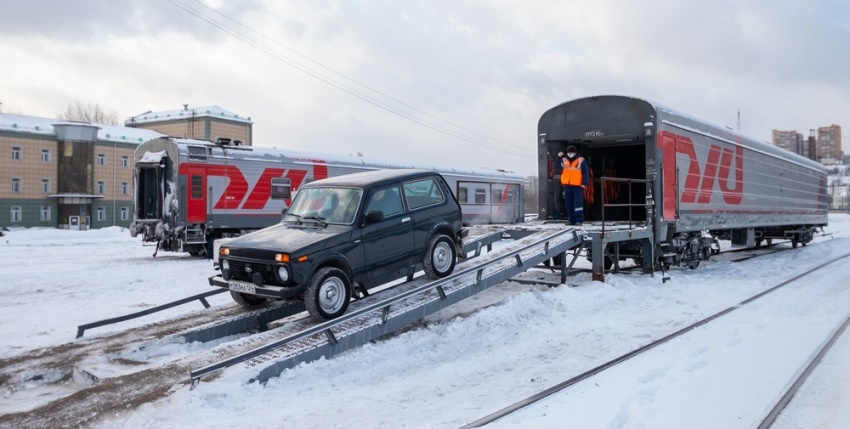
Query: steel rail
<point x="383" y="306"/>
<point x="813" y="362"/>
<point x="593" y="371"/>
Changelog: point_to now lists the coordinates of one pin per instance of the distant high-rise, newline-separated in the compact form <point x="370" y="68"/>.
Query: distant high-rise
<point x="829" y="143"/>
<point x="791" y="141"/>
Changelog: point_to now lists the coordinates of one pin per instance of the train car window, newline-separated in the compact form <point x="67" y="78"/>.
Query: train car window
<point x="512" y="195"/>
<point x="497" y="196"/>
<point x="420" y="193"/>
<point x="197" y="187"/>
<point x="462" y="195"/>
<point x="197" y="153"/>
<point x="281" y="188"/>
<point x="480" y="196"/>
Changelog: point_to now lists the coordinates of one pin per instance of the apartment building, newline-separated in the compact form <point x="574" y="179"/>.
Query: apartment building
<point x="77" y="175"/>
<point x="829" y="144"/>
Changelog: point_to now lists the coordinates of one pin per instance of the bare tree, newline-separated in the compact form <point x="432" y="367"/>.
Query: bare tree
<point x="89" y="112"/>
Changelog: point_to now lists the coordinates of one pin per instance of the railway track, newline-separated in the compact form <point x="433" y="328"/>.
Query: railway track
<point x="763" y="424"/>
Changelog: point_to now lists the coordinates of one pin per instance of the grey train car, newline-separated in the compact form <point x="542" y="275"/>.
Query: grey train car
<point x="695" y="182"/>
<point x="190" y="192"/>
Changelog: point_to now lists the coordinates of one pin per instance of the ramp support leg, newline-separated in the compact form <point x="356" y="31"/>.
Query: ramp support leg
<point x="597" y="248"/>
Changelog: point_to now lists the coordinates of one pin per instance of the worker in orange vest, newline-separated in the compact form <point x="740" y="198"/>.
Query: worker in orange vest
<point x="574" y="178"/>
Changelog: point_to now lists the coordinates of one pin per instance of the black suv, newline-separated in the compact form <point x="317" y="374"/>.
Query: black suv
<point x="344" y="235"/>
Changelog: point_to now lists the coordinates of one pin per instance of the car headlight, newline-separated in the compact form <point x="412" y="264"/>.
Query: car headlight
<point x="283" y="273"/>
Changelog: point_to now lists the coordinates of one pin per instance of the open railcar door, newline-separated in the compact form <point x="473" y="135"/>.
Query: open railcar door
<point x="149" y="188"/>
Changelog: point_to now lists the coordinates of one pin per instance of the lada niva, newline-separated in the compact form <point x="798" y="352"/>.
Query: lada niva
<point x="344" y="235"/>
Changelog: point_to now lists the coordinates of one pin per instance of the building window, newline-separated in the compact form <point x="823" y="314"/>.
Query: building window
<point x="17" y="153"/>
<point x="45" y="213"/>
<point x="124" y="188"/>
<point x="124" y="213"/>
<point x="45" y="155"/>
<point x="125" y="161"/>
<point x="16" y="184"/>
<point x="16" y="214"/>
<point x="45" y="185"/>
<point x="101" y="213"/>
<point x="101" y="159"/>
<point x="101" y="188"/>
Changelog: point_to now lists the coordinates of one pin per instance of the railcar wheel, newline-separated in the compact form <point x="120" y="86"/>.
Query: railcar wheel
<point x="440" y="257"/>
<point x="328" y="293"/>
<point x="248" y="300"/>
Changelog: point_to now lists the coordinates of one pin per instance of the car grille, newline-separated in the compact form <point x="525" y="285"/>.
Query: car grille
<point x="238" y="271"/>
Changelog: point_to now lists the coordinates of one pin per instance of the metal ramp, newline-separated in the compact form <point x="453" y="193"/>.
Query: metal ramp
<point x="405" y="306"/>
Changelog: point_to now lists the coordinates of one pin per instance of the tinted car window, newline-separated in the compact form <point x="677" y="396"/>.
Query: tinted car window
<point x="386" y="200"/>
<point x="421" y="193"/>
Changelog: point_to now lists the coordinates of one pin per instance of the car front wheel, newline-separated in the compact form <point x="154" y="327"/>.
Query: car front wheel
<point x="328" y="293"/>
<point x="440" y="257"/>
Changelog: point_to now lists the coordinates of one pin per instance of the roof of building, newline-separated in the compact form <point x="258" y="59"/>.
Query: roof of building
<point x="202" y="111"/>
<point x="44" y="126"/>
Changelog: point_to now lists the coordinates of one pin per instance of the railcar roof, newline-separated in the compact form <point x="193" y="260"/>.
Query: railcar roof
<point x="368" y="178"/>
<point x="265" y="153"/>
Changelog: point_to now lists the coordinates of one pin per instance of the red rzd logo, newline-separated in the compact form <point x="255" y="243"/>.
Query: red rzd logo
<point x="701" y="176"/>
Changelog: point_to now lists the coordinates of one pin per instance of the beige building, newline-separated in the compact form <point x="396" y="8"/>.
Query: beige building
<point x="77" y="175"/>
<point x="788" y="140"/>
<point x="829" y="144"/>
<point x="202" y="123"/>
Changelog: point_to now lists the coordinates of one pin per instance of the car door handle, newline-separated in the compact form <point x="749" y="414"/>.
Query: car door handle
<point x="405" y="220"/>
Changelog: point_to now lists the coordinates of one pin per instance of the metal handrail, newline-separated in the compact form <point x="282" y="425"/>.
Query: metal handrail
<point x="202" y="297"/>
<point x="605" y="179"/>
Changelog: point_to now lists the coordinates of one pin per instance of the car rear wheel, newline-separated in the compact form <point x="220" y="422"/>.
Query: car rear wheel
<point x="440" y="257"/>
<point x="328" y="293"/>
<point x="248" y="300"/>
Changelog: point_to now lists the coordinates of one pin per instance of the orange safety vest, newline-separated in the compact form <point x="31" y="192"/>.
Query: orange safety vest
<point x="571" y="175"/>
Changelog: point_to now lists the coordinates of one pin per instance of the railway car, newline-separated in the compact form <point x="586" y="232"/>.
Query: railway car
<point x="188" y="193"/>
<point x="688" y="181"/>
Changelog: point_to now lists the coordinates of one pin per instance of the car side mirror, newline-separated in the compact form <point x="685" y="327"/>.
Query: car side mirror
<point x="374" y="216"/>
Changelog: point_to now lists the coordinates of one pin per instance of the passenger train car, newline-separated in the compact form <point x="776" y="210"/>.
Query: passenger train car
<point x="188" y="193"/>
<point x="687" y="180"/>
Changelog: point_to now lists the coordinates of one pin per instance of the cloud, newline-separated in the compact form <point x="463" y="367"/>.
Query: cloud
<point x="93" y="20"/>
<point x="492" y="67"/>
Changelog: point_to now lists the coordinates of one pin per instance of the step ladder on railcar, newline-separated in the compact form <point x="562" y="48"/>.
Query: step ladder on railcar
<point x="195" y="234"/>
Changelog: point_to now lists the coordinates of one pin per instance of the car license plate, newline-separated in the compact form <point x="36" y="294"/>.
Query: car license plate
<point x="242" y="287"/>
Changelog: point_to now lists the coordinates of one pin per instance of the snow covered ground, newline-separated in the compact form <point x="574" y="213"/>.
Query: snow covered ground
<point x="465" y="364"/>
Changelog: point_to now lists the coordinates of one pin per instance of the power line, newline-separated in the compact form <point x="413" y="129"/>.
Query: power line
<point x="346" y="88"/>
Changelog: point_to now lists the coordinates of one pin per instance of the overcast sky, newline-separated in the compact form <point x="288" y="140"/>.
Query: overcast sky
<point x="482" y="70"/>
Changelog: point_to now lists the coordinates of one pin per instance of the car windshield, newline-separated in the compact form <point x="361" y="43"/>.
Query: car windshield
<point x="331" y="205"/>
